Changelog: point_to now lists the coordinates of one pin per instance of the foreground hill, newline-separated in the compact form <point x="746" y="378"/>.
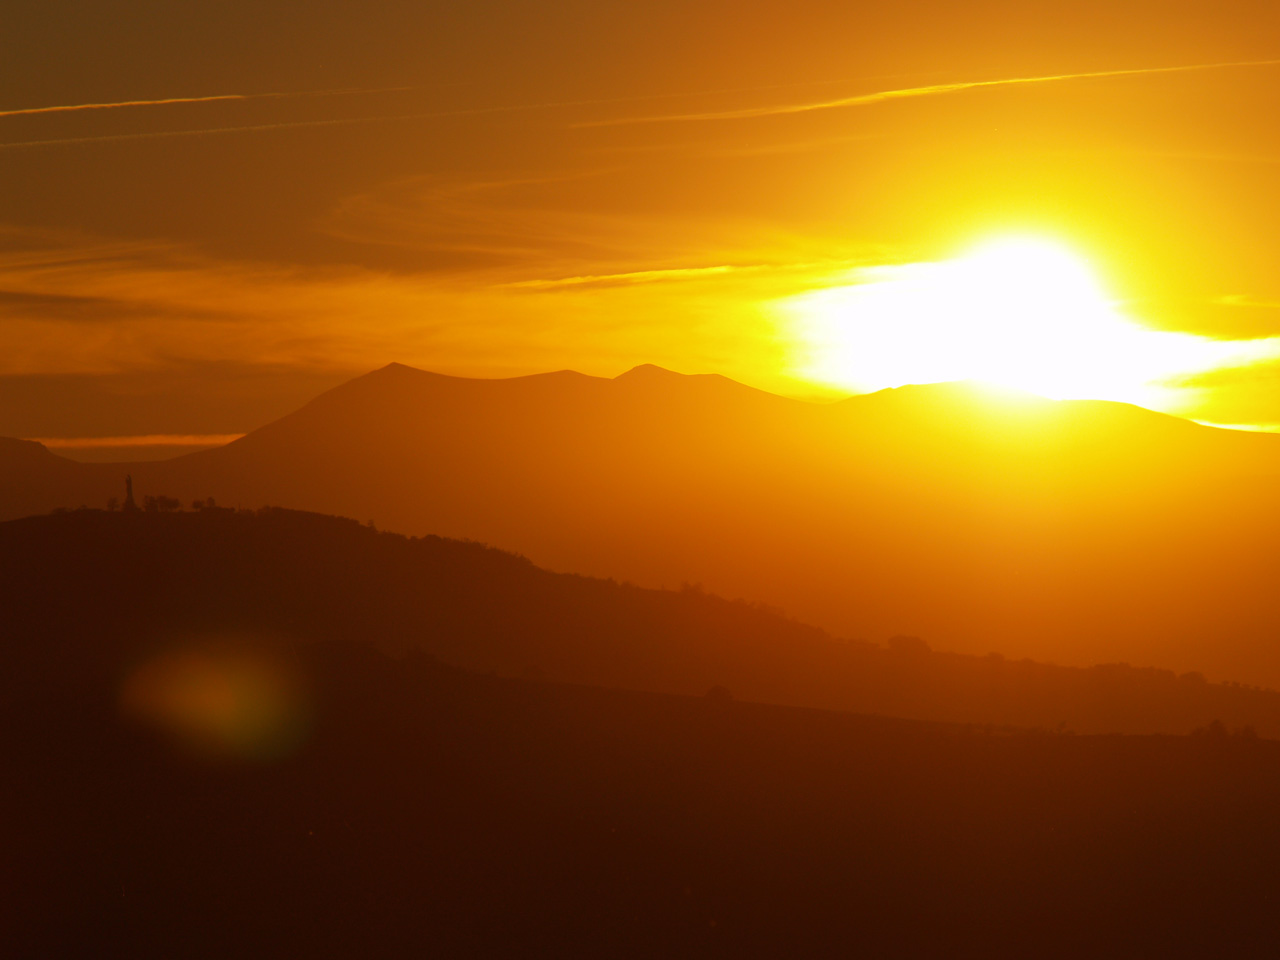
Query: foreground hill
<point x="93" y="591"/>
<point x="415" y="810"/>
<point x="1077" y="532"/>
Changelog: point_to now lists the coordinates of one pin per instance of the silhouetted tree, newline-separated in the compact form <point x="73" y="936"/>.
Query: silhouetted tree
<point x="909" y="646"/>
<point x="1215" y="731"/>
<point x="113" y="504"/>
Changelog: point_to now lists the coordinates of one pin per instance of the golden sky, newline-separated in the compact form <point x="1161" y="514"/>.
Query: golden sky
<point x="202" y="199"/>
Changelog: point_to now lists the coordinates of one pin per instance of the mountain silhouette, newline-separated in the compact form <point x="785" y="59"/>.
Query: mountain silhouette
<point x="210" y="751"/>
<point x="1077" y="532"/>
<point x="149" y="581"/>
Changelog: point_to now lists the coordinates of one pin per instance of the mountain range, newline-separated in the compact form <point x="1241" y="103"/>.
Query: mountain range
<point x="1077" y="532"/>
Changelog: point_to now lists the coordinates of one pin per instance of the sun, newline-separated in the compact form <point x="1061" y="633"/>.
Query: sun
<point x="1021" y="312"/>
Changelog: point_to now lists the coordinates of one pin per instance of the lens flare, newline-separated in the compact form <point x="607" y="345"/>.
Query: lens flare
<point x="1022" y="313"/>
<point x="225" y="702"/>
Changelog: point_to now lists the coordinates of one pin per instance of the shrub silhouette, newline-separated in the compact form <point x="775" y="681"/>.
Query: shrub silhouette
<point x="909" y="646"/>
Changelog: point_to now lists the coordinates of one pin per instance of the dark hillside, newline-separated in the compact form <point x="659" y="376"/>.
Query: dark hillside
<point x="206" y="755"/>
<point x="119" y="587"/>
<point x="427" y="812"/>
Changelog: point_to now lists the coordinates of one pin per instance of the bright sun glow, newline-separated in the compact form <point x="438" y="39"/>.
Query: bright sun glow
<point x="1022" y="313"/>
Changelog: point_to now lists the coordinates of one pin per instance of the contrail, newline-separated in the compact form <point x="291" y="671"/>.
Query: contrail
<point x="932" y="90"/>
<point x="860" y="100"/>
<point x="343" y="121"/>
<point x="207" y="131"/>
<point x="31" y="111"/>
<point x="284" y="125"/>
<point x="76" y="107"/>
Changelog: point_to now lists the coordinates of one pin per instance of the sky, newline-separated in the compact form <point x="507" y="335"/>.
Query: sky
<point x="210" y="212"/>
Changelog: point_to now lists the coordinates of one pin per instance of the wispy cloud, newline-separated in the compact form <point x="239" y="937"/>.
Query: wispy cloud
<point x="1240" y="300"/>
<point x="74" y="108"/>
<point x="168" y="101"/>
<point x="905" y="93"/>
<point x="147" y="440"/>
<point x="634" y="276"/>
<point x="455" y="321"/>
<point x="1247" y="427"/>
<point x="300" y="124"/>
<point x="43" y="305"/>
<point x="203" y="131"/>
<point x="512" y="108"/>
<point x="812" y="268"/>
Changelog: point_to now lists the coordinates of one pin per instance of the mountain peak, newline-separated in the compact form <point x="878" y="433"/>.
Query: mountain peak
<point x="950" y="391"/>
<point x="649" y="371"/>
<point x="395" y="367"/>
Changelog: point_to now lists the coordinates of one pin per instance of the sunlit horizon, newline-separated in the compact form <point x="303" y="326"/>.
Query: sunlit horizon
<point x="1021" y="312"/>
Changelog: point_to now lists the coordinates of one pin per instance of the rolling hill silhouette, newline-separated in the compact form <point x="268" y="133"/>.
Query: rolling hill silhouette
<point x="146" y="582"/>
<point x="1078" y="532"/>
<point x="206" y="756"/>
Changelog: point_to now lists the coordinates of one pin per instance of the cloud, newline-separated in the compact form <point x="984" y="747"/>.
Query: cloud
<point x="294" y="124"/>
<point x="1240" y="300"/>
<point x="931" y="90"/>
<point x="634" y="276"/>
<point x="168" y="134"/>
<point x="73" y="108"/>
<point x="601" y="307"/>
<point x="684" y="274"/>
<point x="23" y="304"/>
<point x="147" y="440"/>
<point x="1247" y="427"/>
<point x="239" y="128"/>
<point x="348" y="121"/>
<point x="168" y="101"/>
<point x="468" y="322"/>
<point x="511" y="225"/>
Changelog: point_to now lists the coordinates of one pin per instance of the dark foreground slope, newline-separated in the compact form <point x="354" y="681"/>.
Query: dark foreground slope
<point x="1077" y="532"/>
<point x="107" y="591"/>
<point x="203" y="754"/>
<point x="421" y="811"/>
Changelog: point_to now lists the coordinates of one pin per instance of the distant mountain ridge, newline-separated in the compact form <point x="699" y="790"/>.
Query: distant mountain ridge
<point x="1077" y="532"/>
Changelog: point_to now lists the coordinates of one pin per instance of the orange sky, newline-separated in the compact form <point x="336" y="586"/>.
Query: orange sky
<point x="496" y="188"/>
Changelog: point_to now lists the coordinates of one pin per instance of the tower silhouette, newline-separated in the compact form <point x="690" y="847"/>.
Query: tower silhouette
<point x="129" y="505"/>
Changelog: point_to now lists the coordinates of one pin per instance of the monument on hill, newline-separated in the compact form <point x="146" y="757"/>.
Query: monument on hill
<point x="129" y="505"/>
